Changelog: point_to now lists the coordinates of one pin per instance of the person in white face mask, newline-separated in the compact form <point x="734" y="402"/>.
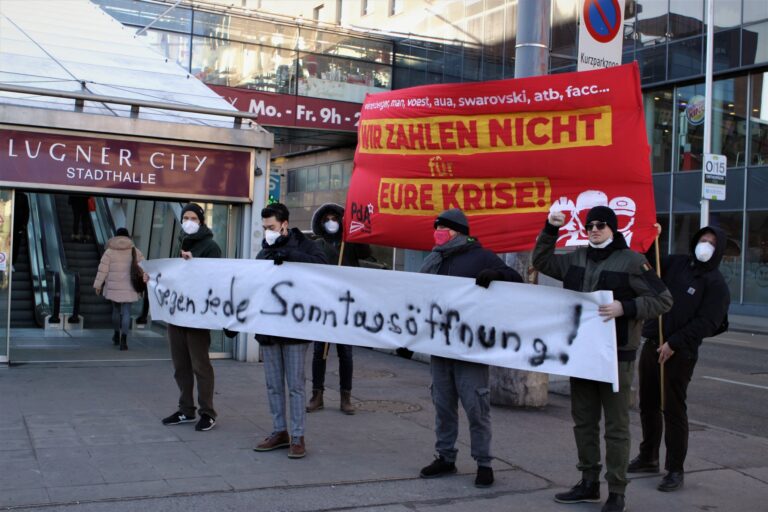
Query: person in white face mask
<point x="327" y="224"/>
<point x="189" y="347"/>
<point x="700" y="311"/>
<point x="284" y="357"/>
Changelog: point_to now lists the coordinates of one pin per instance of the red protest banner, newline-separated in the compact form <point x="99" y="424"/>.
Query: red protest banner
<point x="505" y="152"/>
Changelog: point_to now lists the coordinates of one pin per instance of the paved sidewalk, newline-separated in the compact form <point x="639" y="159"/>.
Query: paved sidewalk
<point x="88" y="437"/>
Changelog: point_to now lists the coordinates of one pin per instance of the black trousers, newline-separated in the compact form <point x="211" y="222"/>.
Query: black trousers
<point x="673" y="421"/>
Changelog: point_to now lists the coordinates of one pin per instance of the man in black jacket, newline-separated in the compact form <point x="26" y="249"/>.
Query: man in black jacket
<point x="701" y="306"/>
<point x="607" y="263"/>
<point x="457" y="254"/>
<point x="189" y="346"/>
<point x="327" y="222"/>
<point x="284" y="357"/>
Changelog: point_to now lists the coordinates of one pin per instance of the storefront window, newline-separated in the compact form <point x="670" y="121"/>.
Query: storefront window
<point x="337" y="178"/>
<point x="651" y="24"/>
<point x="658" y="120"/>
<point x="247" y="30"/>
<point x="234" y="64"/>
<point x="758" y="117"/>
<point x="754" y="43"/>
<point x="728" y="123"/>
<point x="686" y="58"/>
<point x="333" y="78"/>
<point x="344" y="45"/>
<point x="565" y="31"/>
<point x="686" y="18"/>
<point x="727" y="13"/>
<point x="142" y="13"/>
<point x="731" y="223"/>
<point x="323" y="177"/>
<point x="755" y="10"/>
<point x="756" y="271"/>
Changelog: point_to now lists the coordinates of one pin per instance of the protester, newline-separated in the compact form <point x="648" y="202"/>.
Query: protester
<point x="113" y="281"/>
<point x="606" y="264"/>
<point x="327" y="222"/>
<point x="284" y="357"/>
<point x="457" y="254"/>
<point x="189" y="346"/>
<point x="79" y="205"/>
<point x="701" y="306"/>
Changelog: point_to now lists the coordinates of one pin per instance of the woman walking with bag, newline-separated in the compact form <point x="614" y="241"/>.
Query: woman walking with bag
<point x="115" y="280"/>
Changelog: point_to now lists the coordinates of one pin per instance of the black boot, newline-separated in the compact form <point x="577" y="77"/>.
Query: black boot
<point x="614" y="503"/>
<point x="672" y="481"/>
<point x="123" y="342"/>
<point x="116" y="338"/>
<point x="584" y="491"/>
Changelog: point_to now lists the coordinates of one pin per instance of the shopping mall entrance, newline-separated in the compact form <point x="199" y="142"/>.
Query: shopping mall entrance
<point x="51" y="247"/>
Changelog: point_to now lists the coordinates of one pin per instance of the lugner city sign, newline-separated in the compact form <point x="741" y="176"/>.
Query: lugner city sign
<point x="123" y="166"/>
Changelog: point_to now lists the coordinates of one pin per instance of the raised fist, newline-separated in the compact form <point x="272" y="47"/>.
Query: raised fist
<point x="556" y="218"/>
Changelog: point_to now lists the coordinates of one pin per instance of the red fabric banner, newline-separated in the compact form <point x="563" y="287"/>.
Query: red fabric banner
<point x="505" y="152"/>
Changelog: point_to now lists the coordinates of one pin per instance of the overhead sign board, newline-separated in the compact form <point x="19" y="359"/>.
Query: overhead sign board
<point x="713" y="177"/>
<point x="600" y="34"/>
<point x="56" y="160"/>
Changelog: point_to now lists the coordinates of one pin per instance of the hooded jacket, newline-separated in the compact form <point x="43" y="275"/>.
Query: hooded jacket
<point x="201" y="244"/>
<point x="331" y="243"/>
<point x="617" y="268"/>
<point x="294" y="247"/>
<point x="701" y="297"/>
<point x="114" y="275"/>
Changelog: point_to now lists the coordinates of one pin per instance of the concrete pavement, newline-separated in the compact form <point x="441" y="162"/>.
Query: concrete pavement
<point x="88" y="437"/>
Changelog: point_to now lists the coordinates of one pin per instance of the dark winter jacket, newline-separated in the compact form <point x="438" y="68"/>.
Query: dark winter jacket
<point x="294" y="247"/>
<point x="617" y="268"/>
<point x="701" y="298"/>
<point x="472" y="258"/>
<point x="331" y="243"/>
<point x="201" y="244"/>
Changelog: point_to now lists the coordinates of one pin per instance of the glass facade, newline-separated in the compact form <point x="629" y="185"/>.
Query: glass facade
<point x="262" y="54"/>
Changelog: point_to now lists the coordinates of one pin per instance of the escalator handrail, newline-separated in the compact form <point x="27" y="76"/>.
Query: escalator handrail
<point x="75" y="317"/>
<point x="55" y="314"/>
<point x="37" y="263"/>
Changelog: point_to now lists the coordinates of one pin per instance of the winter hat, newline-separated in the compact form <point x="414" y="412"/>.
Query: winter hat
<point x="122" y="232"/>
<point x="453" y="219"/>
<point x="196" y="209"/>
<point x="603" y="214"/>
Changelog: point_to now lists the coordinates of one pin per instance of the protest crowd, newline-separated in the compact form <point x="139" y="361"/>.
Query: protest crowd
<point x="663" y="315"/>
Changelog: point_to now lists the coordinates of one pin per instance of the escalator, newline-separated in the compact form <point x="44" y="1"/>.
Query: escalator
<point x="22" y="295"/>
<point x="82" y="257"/>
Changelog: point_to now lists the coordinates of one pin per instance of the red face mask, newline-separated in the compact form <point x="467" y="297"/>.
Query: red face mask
<point x="442" y="236"/>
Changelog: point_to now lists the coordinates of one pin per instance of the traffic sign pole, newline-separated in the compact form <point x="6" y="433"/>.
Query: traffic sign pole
<point x="704" y="221"/>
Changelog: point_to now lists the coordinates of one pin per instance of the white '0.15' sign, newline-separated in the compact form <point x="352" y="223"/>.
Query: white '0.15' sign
<point x="713" y="177"/>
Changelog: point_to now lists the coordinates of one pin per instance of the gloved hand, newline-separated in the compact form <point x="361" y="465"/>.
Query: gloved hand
<point x="487" y="275"/>
<point x="230" y="334"/>
<point x="279" y="258"/>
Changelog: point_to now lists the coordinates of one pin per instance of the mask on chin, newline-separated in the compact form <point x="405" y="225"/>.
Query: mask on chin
<point x="190" y="227"/>
<point x="602" y="245"/>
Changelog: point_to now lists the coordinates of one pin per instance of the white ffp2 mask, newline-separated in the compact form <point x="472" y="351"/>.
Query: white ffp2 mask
<point x="331" y="227"/>
<point x="271" y="236"/>
<point x="190" y="227"/>
<point x="704" y="251"/>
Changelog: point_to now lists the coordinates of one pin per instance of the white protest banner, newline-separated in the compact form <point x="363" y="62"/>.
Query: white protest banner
<point x="512" y="325"/>
<point x="601" y="34"/>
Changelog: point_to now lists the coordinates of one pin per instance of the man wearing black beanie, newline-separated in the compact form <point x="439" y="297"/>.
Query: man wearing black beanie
<point x="606" y="264"/>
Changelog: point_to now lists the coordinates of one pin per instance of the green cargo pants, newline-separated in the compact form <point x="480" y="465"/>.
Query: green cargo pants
<point x="588" y="399"/>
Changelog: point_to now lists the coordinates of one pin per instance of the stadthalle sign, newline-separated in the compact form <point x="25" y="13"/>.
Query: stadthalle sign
<point x="123" y="166"/>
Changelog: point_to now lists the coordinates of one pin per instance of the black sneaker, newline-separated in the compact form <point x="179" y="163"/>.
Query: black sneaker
<point x="585" y="491"/>
<point x="640" y="465"/>
<point x="439" y="467"/>
<point x="178" y="418"/>
<point x="484" y="477"/>
<point x="614" y="503"/>
<point x="672" y="481"/>
<point x="205" y="424"/>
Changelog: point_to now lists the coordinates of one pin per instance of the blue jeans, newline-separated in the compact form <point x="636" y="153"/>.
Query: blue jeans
<point x="284" y="364"/>
<point x="345" y="366"/>
<point x="121" y="316"/>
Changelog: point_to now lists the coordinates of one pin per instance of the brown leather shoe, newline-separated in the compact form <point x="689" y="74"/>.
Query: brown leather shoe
<point x="316" y="402"/>
<point x="297" y="449"/>
<point x="346" y="402"/>
<point x="273" y="442"/>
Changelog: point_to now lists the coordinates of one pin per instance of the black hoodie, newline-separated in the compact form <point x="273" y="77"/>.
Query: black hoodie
<point x="701" y="297"/>
<point x="331" y="242"/>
